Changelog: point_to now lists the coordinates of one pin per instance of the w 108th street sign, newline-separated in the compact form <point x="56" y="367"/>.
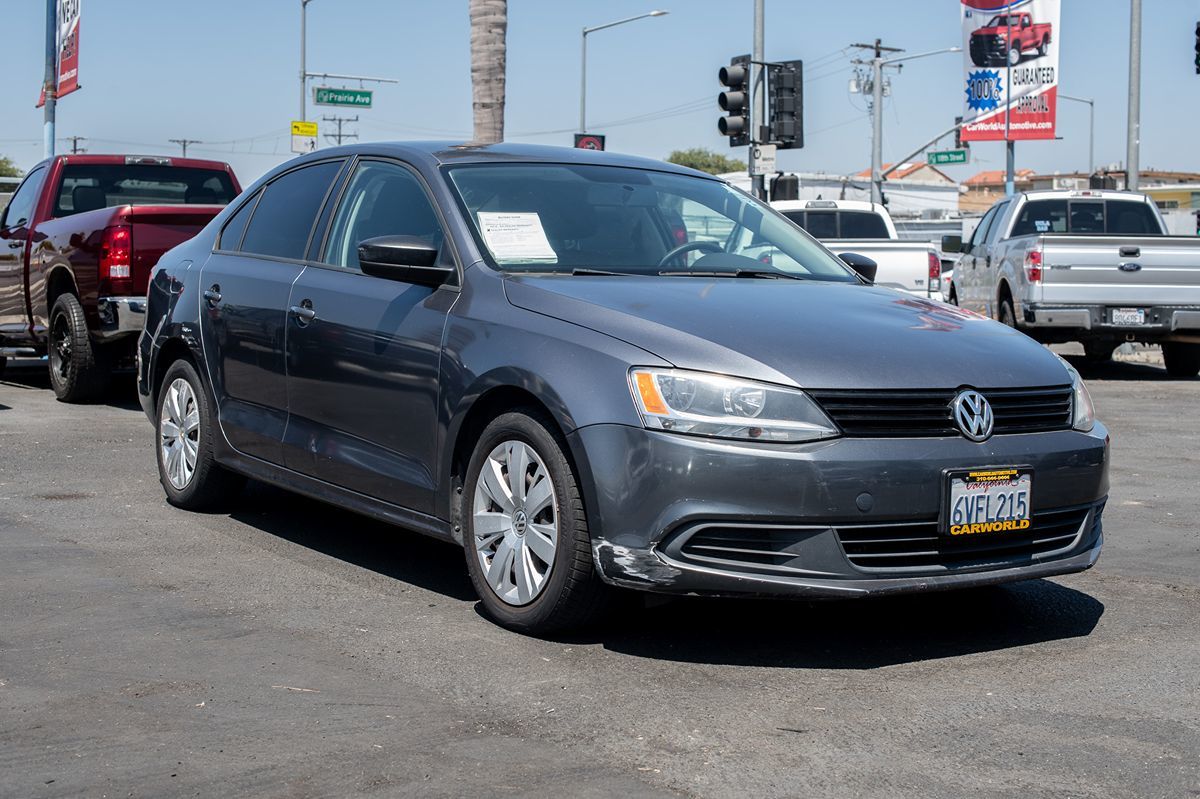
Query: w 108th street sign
<point x="355" y="98"/>
<point x="943" y="157"/>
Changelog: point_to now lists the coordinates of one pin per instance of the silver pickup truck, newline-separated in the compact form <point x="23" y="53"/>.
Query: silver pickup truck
<point x="1090" y="266"/>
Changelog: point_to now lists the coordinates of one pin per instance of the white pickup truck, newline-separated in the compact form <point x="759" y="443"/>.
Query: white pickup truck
<point x="866" y="228"/>
<point x="1090" y="266"/>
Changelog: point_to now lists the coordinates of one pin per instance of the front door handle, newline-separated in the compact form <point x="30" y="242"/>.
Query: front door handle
<point x="16" y="245"/>
<point x="212" y="295"/>
<point x="304" y="312"/>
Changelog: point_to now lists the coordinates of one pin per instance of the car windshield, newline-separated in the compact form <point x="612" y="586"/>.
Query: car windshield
<point x="1002" y="21"/>
<point x="579" y="218"/>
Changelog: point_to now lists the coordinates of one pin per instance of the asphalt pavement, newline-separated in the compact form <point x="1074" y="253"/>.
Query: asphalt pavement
<point x="287" y="649"/>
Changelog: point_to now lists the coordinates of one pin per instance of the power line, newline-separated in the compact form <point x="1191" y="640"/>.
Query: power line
<point x="184" y="143"/>
<point x="75" y="148"/>
<point x="339" y="121"/>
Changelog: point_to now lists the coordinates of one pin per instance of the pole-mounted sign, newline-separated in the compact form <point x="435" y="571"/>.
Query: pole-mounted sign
<point x="67" y="15"/>
<point x="304" y="136"/>
<point x="589" y="141"/>
<point x="354" y="98"/>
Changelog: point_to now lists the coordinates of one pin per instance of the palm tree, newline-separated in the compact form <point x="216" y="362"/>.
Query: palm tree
<point x="489" y="24"/>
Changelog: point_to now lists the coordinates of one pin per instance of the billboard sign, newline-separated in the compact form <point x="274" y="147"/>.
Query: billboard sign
<point x="1010" y="68"/>
<point x="67" y="13"/>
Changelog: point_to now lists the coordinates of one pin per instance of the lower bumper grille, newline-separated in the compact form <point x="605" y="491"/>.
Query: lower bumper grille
<point x="913" y="547"/>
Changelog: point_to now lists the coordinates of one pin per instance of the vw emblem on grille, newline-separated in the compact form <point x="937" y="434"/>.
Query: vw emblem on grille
<point x="973" y="415"/>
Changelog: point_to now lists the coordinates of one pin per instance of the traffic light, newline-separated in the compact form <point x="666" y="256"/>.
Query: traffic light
<point x="735" y="101"/>
<point x="1198" y="48"/>
<point x="786" y="98"/>
<point x="959" y="144"/>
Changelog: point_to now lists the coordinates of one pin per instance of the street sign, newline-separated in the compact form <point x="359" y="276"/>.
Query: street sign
<point x="355" y="98"/>
<point x="589" y="141"/>
<point x="304" y="136"/>
<point x="943" y="157"/>
<point x="762" y="159"/>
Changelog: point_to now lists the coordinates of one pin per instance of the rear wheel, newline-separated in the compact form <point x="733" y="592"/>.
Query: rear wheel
<point x="527" y="543"/>
<point x="1007" y="315"/>
<point x="1044" y="46"/>
<point x="1014" y="56"/>
<point x="1098" y="351"/>
<point x="78" y="368"/>
<point x="1181" y="360"/>
<point x="187" y="469"/>
<point x="3" y="363"/>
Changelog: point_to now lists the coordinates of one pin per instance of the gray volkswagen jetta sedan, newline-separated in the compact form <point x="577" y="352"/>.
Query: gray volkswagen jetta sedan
<point x="598" y="372"/>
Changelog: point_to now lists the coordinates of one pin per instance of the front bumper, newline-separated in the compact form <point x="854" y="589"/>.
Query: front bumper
<point x="120" y="316"/>
<point x="649" y="493"/>
<point x="1162" y="321"/>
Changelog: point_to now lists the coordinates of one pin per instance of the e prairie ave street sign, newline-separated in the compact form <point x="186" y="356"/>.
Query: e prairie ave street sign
<point x="355" y="98"/>
<point x="943" y="157"/>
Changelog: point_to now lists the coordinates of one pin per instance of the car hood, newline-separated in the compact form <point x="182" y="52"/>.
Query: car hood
<point x="806" y="333"/>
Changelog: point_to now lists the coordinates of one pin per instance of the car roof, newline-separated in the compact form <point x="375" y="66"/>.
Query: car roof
<point x="1085" y="194"/>
<point x="825" y="205"/>
<point x="448" y="152"/>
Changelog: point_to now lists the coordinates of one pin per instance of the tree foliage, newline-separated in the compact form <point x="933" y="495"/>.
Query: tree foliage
<point x="706" y="161"/>
<point x="8" y="169"/>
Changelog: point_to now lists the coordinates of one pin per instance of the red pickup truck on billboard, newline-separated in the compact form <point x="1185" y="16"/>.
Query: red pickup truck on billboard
<point x="77" y="243"/>
<point x="991" y="45"/>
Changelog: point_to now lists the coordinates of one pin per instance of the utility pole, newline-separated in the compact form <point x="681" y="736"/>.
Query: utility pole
<point x="1010" y="150"/>
<point x="877" y="64"/>
<point x="50" y="84"/>
<point x="303" y="64"/>
<point x="339" y="121"/>
<point x="1134" y="134"/>
<point x="75" y="148"/>
<point x="758" y="102"/>
<point x="184" y="144"/>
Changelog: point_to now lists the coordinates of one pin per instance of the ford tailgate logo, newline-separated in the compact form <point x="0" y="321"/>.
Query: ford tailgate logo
<point x="1130" y="267"/>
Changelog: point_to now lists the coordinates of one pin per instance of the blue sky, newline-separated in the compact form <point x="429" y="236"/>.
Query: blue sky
<point x="226" y="73"/>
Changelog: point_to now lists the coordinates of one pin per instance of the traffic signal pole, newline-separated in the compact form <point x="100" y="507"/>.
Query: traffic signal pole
<point x="1134" y="133"/>
<point x="758" y="102"/>
<point x="50" y="86"/>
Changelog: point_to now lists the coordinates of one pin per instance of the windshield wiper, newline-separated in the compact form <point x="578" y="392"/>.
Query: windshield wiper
<point x="583" y="270"/>
<point x="750" y="273"/>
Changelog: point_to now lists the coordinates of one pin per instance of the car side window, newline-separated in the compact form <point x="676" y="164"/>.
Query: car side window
<point x="20" y="207"/>
<point x="381" y="199"/>
<point x="997" y="225"/>
<point x="231" y="234"/>
<point x="981" y="230"/>
<point x="284" y="216"/>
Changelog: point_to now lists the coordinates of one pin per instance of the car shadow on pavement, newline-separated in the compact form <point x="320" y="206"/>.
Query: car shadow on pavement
<point x="853" y="634"/>
<point x="1122" y="371"/>
<point x="32" y="374"/>
<point x="391" y="551"/>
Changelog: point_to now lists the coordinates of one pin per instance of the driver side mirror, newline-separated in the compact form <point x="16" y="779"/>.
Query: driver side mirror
<point x="408" y="259"/>
<point x="864" y="266"/>
<point x="952" y="244"/>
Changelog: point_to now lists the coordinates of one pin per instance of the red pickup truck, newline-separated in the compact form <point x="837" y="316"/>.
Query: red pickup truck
<point x="77" y="243"/>
<point x="991" y="45"/>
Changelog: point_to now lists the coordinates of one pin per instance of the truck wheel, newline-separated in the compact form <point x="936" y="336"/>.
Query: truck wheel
<point x="1181" y="360"/>
<point x="1043" y="46"/>
<point x="3" y="363"/>
<point x="528" y="549"/>
<point x="186" y="467"/>
<point x="78" y="369"/>
<point x="1014" y="56"/>
<point x="1098" y="351"/>
<point x="1007" y="315"/>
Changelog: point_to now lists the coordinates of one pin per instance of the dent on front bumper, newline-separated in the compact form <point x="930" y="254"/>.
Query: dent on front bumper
<point x="649" y="492"/>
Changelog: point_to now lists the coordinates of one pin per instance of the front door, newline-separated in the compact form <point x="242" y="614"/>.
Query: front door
<point x="14" y="235"/>
<point x="364" y="352"/>
<point x="245" y="285"/>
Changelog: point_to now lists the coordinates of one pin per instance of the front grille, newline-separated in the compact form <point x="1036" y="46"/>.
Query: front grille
<point x="926" y="412"/>
<point x="988" y="49"/>
<point x="750" y="545"/>
<point x="919" y="547"/>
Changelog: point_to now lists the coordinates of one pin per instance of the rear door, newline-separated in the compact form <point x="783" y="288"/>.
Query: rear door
<point x="987" y="273"/>
<point x="14" y="236"/>
<point x="245" y="285"/>
<point x="364" y="352"/>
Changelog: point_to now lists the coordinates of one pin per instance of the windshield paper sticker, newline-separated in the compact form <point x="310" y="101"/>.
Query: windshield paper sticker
<point x="516" y="237"/>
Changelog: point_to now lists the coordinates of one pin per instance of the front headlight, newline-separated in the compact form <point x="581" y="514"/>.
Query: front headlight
<point x="1083" y="412"/>
<point x="726" y="407"/>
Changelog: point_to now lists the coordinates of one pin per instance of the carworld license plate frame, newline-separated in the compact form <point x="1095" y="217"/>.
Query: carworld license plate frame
<point x="1007" y="520"/>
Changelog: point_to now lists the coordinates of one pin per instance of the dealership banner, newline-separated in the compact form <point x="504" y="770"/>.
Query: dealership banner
<point x="1010" y="59"/>
<point x="68" y="48"/>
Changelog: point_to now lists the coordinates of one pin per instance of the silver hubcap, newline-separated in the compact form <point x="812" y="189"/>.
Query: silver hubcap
<point x="514" y="522"/>
<point x="179" y="433"/>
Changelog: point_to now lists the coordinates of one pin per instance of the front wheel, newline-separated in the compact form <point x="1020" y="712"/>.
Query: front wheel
<point x="526" y="536"/>
<point x="1181" y="360"/>
<point x="1043" y="47"/>
<point x="1014" y="56"/>
<point x="189" y="473"/>
<point x="78" y="368"/>
<point x="1007" y="315"/>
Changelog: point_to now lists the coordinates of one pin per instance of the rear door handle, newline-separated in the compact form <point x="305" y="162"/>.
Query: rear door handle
<point x="304" y="312"/>
<point x="212" y="295"/>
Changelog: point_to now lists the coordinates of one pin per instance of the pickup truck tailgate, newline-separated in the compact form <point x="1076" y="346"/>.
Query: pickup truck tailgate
<point x="157" y="229"/>
<point x="1120" y="270"/>
<point x="903" y="265"/>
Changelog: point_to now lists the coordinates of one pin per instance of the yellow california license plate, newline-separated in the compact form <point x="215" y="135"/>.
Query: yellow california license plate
<point x="989" y="501"/>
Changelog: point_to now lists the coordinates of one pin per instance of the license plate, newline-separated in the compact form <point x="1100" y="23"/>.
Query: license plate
<point x="989" y="501"/>
<point x="1128" y="316"/>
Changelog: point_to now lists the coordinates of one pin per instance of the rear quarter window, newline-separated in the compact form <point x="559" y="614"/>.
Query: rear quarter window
<point x="862" y="225"/>
<point x="88" y="187"/>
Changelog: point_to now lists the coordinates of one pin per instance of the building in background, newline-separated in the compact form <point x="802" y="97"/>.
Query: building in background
<point x="983" y="190"/>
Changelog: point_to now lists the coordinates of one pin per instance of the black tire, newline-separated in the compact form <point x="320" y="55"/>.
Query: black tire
<point x="953" y="297"/>
<point x="209" y="483"/>
<point x="1181" y="360"/>
<point x="573" y="594"/>
<point x="1007" y="315"/>
<point x="1098" y="352"/>
<point x="79" y="370"/>
<point x="1014" y="56"/>
<point x="1043" y="46"/>
<point x="3" y="363"/>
